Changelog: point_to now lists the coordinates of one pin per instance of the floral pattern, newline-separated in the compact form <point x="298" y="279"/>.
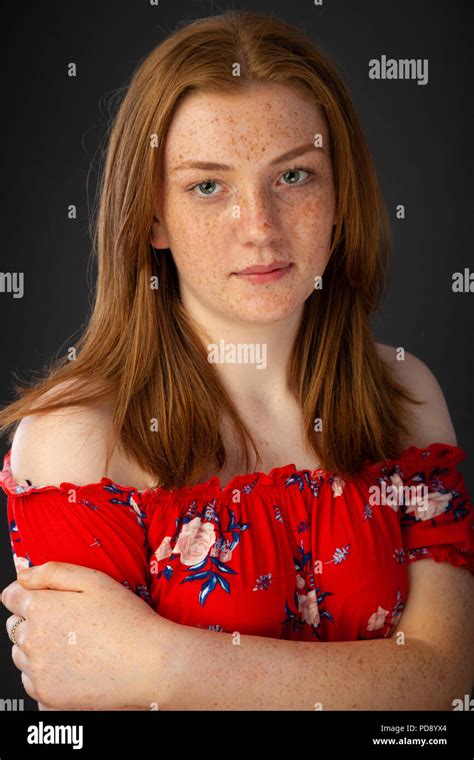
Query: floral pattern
<point x="299" y="555"/>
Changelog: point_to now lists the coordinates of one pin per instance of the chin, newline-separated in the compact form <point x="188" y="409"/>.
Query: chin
<point x="267" y="311"/>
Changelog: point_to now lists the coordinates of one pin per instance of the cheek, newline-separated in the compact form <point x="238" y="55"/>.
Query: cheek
<point x="308" y="228"/>
<point x="193" y="228"/>
<point x="313" y="215"/>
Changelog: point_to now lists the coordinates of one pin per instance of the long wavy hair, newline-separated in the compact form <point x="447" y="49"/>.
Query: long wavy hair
<point x="140" y="350"/>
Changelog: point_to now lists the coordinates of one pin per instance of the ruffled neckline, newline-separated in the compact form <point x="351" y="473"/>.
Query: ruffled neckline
<point x="411" y="456"/>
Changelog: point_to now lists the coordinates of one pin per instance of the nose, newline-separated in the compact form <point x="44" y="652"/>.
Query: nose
<point x="255" y="217"/>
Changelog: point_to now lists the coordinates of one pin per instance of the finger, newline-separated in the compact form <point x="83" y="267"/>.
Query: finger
<point x="19" y="633"/>
<point x="21" y="660"/>
<point x="15" y="598"/>
<point x="6" y="590"/>
<point x="62" y="576"/>
<point x="29" y="686"/>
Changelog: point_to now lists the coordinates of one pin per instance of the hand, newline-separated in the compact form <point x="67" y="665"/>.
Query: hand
<point x="87" y="641"/>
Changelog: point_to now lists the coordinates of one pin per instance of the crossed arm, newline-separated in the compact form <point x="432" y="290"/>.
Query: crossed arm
<point x="425" y="665"/>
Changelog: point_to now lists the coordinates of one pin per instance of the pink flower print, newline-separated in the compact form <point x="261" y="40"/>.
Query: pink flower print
<point x="308" y="607"/>
<point x="164" y="550"/>
<point x="222" y="550"/>
<point x="396" y="492"/>
<point x="395" y="619"/>
<point x="194" y="541"/>
<point x="300" y="581"/>
<point x="21" y="563"/>
<point x="225" y="555"/>
<point x="134" y="505"/>
<point x="431" y="505"/>
<point x="377" y="619"/>
<point x="337" y="485"/>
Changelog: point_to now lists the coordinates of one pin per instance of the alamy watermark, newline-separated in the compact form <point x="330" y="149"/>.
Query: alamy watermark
<point x="403" y="68"/>
<point x="12" y="282"/>
<point x="237" y="353"/>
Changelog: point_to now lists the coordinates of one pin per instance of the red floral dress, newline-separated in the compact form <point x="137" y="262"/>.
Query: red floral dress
<point x="292" y="554"/>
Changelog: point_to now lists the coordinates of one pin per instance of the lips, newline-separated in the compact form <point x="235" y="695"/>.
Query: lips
<point x="265" y="278"/>
<point x="265" y="269"/>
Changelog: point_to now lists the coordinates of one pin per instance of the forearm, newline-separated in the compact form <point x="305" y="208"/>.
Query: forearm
<point x="205" y="670"/>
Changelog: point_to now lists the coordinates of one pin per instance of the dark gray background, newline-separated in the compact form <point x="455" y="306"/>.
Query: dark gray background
<point x="420" y="137"/>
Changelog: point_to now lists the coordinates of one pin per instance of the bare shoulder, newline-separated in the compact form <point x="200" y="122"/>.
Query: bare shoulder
<point x="69" y="445"/>
<point x="431" y="421"/>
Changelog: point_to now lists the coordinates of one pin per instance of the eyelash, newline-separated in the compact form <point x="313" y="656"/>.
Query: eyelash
<point x="292" y="169"/>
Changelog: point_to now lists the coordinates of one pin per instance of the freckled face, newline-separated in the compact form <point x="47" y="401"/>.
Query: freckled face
<point x="218" y="221"/>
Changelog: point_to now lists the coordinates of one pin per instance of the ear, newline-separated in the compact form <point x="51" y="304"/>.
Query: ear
<point x="158" y="236"/>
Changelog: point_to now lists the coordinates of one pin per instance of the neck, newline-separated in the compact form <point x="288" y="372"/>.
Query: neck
<point x="251" y="358"/>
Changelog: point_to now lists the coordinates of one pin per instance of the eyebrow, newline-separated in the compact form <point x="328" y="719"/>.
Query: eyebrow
<point x="294" y="153"/>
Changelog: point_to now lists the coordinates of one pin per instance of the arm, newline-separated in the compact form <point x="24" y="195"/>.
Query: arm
<point x="45" y="526"/>
<point x="425" y="668"/>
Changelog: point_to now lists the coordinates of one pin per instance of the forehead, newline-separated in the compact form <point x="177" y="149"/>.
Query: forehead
<point x="264" y="118"/>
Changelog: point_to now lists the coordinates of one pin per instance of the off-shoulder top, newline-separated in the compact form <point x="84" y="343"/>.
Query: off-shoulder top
<point x="290" y="554"/>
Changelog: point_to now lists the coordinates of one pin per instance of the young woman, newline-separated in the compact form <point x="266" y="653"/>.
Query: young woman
<point x="237" y="147"/>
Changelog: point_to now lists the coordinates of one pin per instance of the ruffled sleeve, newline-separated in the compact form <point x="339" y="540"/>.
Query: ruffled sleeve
<point x="99" y="525"/>
<point x="437" y="516"/>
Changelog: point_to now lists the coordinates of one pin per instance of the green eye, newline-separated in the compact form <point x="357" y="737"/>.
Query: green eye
<point x="200" y="185"/>
<point x="207" y="186"/>
<point x="207" y="182"/>
<point x="298" y="173"/>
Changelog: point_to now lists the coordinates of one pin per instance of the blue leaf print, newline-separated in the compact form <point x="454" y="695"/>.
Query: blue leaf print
<point x="302" y="527"/>
<point x="294" y="619"/>
<point x="129" y="502"/>
<point x="263" y="582"/>
<point x="14" y="529"/>
<point x="399" y="555"/>
<point x="197" y="576"/>
<point x="295" y="479"/>
<point x="235" y="539"/>
<point x="278" y="515"/>
<point x="223" y="582"/>
<point x="89" y="504"/>
<point x="210" y="512"/>
<point x="248" y="488"/>
<point x="367" y="511"/>
<point x="418" y="477"/>
<point x="460" y="512"/>
<point x="143" y="592"/>
<point x="222" y="567"/>
<point x="327" y="615"/>
<point x="323" y="594"/>
<point x="339" y="555"/>
<point x="314" y="484"/>
<point x="395" y="614"/>
<point x="301" y="562"/>
<point x="206" y="589"/>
